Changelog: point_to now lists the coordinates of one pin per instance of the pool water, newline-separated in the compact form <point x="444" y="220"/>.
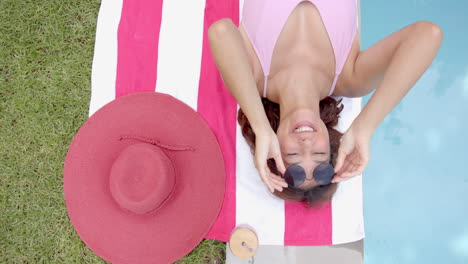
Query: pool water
<point x="416" y="183"/>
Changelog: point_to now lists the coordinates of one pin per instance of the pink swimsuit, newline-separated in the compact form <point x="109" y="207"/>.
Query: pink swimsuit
<point x="263" y="21"/>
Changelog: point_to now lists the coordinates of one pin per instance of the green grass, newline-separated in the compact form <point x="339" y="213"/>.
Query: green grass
<point x="46" y="50"/>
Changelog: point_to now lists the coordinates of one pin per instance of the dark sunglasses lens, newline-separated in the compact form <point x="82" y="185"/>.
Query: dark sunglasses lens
<point x="294" y="175"/>
<point x="323" y="173"/>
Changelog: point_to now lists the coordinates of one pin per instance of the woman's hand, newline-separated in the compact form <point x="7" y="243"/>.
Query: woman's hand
<point x="267" y="147"/>
<point x="353" y="155"/>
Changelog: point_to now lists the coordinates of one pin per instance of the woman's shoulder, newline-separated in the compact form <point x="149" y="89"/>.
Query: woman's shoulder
<point x="253" y="59"/>
<point x="344" y="84"/>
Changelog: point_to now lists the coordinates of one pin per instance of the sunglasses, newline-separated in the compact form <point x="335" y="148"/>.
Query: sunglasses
<point x="323" y="174"/>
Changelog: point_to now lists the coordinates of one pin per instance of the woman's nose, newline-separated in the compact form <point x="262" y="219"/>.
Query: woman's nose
<point x="304" y="139"/>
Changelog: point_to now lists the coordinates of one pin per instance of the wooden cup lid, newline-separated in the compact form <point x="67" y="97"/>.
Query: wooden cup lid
<point x="243" y="242"/>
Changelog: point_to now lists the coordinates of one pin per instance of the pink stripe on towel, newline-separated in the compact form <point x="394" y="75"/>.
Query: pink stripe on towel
<point x="307" y="227"/>
<point x="219" y="109"/>
<point x="138" y="36"/>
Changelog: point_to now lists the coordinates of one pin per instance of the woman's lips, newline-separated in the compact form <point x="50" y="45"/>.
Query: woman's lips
<point x="304" y="123"/>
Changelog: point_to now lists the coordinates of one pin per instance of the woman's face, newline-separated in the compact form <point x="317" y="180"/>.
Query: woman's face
<point x="305" y="148"/>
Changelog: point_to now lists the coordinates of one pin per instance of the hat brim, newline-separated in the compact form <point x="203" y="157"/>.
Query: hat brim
<point x="161" y="236"/>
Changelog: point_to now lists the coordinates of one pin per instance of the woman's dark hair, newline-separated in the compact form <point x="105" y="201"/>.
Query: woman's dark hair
<point x="329" y="113"/>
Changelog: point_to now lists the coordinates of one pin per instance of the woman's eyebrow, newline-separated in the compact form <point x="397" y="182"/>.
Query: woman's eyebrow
<point x="317" y="161"/>
<point x="322" y="153"/>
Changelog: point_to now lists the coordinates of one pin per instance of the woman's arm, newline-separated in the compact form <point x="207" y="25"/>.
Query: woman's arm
<point x="393" y="64"/>
<point x="232" y="61"/>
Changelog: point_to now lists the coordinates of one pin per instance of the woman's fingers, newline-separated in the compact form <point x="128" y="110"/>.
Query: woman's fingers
<point x="351" y="164"/>
<point x="273" y="184"/>
<point x="354" y="170"/>
<point x="269" y="185"/>
<point x="261" y="165"/>
<point x="340" y="175"/>
<point x="350" y="170"/>
<point x="276" y="181"/>
<point x="277" y="185"/>
<point x="345" y="168"/>
<point x="280" y="164"/>
<point x="267" y="147"/>
<point x="338" y="179"/>
<point x="279" y="181"/>
<point x="340" y="160"/>
<point x="264" y="178"/>
<point x="362" y="166"/>
<point x="355" y="157"/>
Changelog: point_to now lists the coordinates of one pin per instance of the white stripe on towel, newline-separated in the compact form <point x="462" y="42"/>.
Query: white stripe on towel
<point x="104" y="67"/>
<point x="180" y="49"/>
<point x="347" y="211"/>
<point x="255" y="205"/>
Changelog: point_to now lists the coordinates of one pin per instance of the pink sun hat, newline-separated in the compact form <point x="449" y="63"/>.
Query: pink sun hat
<point x="144" y="179"/>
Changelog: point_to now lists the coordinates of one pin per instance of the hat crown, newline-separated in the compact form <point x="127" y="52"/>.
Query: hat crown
<point x="142" y="178"/>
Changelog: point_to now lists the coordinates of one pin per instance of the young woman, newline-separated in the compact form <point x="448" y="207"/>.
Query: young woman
<point x="296" y="55"/>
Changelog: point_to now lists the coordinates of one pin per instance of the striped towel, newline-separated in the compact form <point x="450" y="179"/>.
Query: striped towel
<point x="162" y="46"/>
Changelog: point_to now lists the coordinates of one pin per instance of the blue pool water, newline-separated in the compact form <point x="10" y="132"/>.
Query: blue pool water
<point x="416" y="183"/>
